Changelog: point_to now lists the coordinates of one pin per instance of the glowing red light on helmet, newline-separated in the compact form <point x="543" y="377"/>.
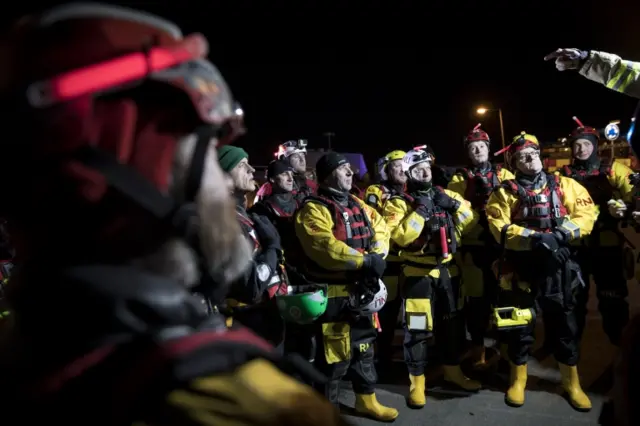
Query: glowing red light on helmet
<point x="114" y="72"/>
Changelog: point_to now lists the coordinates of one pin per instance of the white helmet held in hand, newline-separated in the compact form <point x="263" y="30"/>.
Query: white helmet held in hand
<point x="370" y="301"/>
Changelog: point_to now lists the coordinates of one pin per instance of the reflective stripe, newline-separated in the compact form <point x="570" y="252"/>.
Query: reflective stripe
<point x="377" y="245"/>
<point x="526" y="232"/>
<point x="461" y="216"/>
<point x="624" y="77"/>
<point x="415" y="225"/>
<point x="274" y="280"/>
<point x="573" y="229"/>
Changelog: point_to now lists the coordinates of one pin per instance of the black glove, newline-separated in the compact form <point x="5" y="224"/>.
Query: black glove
<point x="424" y="206"/>
<point x="445" y="202"/>
<point x="374" y="265"/>
<point x="546" y="241"/>
<point x="267" y="233"/>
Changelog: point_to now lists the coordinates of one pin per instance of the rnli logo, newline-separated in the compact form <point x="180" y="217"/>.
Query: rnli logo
<point x="611" y="132"/>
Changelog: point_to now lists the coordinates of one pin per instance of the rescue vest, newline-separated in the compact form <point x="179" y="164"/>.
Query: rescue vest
<point x="595" y="181"/>
<point x="278" y="283"/>
<point x="302" y="188"/>
<point x="281" y="215"/>
<point x="247" y="227"/>
<point x="429" y="241"/>
<point x="479" y="186"/>
<point x="279" y="209"/>
<point x="540" y="212"/>
<point x="351" y="224"/>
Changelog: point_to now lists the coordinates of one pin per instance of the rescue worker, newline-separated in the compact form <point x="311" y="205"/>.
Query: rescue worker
<point x="607" y="69"/>
<point x="535" y="216"/>
<point x="294" y="151"/>
<point x="392" y="180"/>
<point x="120" y="113"/>
<point x="610" y="190"/>
<point x="279" y="208"/>
<point x="426" y="223"/>
<point x="479" y="249"/>
<point x="345" y="243"/>
<point x="251" y="299"/>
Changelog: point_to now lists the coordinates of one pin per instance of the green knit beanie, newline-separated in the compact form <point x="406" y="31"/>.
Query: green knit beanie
<point x="229" y="156"/>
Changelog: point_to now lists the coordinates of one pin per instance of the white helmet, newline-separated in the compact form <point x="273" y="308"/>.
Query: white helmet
<point x="370" y="301"/>
<point x="416" y="156"/>
<point x="292" y="147"/>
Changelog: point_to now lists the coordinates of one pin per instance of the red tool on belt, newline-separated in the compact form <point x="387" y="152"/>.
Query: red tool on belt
<point x="443" y="242"/>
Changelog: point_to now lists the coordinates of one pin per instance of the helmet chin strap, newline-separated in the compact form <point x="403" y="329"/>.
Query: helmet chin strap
<point x="181" y="217"/>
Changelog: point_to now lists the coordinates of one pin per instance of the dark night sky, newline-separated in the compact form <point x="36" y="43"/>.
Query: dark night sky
<point x="390" y="75"/>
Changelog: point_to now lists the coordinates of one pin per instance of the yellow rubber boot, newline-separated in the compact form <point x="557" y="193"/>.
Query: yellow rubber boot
<point x="417" y="397"/>
<point x="453" y="374"/>
<point x="370" y="407"/>
<point x="571" y="385"/>
<point x="517" y="385"/>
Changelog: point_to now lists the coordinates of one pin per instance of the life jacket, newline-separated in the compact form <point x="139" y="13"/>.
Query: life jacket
<point x="595" y="181"/>
<point x="280" y="209"/>
<point x="303" y="187"/>
<point x="246" y="225"/>
<point x="480" y="186"/>
<point x="278" y="283"/>
<point x="351" y="225"/>
<point x="282" y="214"/>
<point x="540" y="212"/>
<point x="429" y="241"/>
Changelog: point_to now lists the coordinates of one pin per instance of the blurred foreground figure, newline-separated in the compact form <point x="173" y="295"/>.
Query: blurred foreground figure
<point x="117" y="117"/>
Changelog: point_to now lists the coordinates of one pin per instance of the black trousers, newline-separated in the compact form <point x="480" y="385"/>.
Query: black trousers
<point x="560" y="316"/>
<point x="606" y="266"/>
<point x="430" y="306"/>
<point x="358" y="367"/>
<point x="478" y="306"/>
<point x="388" y="315"/>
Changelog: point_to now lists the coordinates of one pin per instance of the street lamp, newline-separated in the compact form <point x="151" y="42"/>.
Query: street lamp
<point x="483" y="111"/>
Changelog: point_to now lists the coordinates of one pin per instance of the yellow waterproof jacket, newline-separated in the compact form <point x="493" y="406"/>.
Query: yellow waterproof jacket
<point x="406" y="226"/>
<point x="622" y="189"/>
<point x="613" y="72"/>
<point x="619" y="180"/>
<point x="255" y="394"/>
<point x="458" y="185"/>
<point x="376" y="197"/>
<point x="576" y="199"/>
<point x="314" y="228"/>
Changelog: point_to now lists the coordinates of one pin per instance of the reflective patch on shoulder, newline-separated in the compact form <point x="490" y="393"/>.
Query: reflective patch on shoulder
<point x="372" y="199"/>
<point x="263" y="271"/>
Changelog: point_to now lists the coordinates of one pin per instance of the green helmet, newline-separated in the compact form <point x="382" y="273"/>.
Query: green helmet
<point x="303" y="304"/>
